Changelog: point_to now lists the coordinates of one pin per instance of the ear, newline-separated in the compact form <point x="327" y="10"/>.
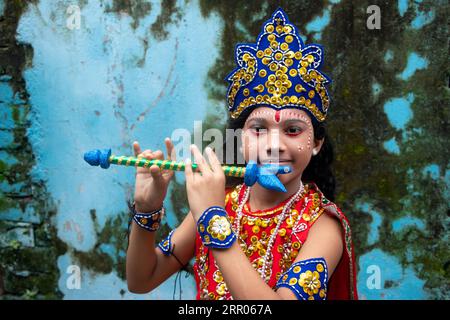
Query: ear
<point x="317" y="146"/>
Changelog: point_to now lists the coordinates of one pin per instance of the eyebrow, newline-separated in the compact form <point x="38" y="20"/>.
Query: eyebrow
<point x="263" y="120"/>
<point x="295" y="120"/>
<point x="257" y="119"/>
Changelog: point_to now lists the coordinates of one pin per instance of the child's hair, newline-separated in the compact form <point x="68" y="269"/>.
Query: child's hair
<point x="319" y="168"/>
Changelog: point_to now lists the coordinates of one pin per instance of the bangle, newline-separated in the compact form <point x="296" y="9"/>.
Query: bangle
<point x="215" y="228"/>
<point x="167" y="248"/>
<point x="166" y="244"/>
<point x="307" y="279"/>
<point x="149" y="221"/>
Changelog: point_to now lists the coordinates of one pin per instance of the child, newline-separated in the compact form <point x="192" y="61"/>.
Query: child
<point x="258" y="244"/>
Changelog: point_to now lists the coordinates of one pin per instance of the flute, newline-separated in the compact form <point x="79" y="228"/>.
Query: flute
<point x="265" y="174"/>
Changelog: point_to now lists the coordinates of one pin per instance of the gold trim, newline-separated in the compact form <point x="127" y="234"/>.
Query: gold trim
<point x="278" y="103"/>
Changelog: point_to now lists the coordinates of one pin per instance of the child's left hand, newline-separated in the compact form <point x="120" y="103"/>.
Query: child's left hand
<point x="208" y="188"/>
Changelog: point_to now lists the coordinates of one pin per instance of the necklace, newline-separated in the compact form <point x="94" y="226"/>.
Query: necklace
<point x="286" y="207"/>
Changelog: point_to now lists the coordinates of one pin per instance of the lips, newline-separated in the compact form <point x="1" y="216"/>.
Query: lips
<point x="275" y="161"/>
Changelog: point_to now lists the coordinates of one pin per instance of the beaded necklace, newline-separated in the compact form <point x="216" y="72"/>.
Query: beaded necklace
<point x="286" y="207"/>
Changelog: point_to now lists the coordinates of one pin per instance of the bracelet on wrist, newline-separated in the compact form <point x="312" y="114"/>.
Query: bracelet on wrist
<point x="150" y="221"/>
<point x="215" y="228"/>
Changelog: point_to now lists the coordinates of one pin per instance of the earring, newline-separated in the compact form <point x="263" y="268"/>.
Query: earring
<point x="314" y="152"/>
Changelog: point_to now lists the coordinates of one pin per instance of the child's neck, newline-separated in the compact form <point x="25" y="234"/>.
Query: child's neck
<point x="263" y="199"/>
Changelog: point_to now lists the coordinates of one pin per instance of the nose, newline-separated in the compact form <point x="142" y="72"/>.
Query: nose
<point x="275" y="144"/>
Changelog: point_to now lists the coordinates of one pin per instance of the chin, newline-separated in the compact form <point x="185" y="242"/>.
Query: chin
<point x="288" y="178"/>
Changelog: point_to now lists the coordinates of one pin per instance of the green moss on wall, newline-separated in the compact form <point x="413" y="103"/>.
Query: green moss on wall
<point x="25" y="272"/>
<point x="136" y="9"/>
<point x="170" y="14"/>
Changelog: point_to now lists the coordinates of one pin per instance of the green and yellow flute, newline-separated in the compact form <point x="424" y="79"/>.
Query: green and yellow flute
<point x="265" y="175"/>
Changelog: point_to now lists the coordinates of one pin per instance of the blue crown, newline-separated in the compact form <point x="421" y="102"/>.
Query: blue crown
<point x="278" y="71"/>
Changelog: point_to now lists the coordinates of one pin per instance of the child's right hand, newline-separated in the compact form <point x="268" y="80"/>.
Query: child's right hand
<point x="151" y="183"/>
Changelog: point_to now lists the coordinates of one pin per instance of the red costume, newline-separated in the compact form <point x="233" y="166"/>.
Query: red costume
<point x="256" y="227"/>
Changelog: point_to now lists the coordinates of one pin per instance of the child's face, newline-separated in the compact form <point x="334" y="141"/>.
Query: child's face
<point x="282" y="136"/>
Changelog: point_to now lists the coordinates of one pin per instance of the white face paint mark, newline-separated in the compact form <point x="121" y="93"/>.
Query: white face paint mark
<point x="258" y="114"/>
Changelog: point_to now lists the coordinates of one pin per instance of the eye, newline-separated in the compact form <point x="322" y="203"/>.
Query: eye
<point x="293" y="131"/>
<point x="258" y="129"/>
